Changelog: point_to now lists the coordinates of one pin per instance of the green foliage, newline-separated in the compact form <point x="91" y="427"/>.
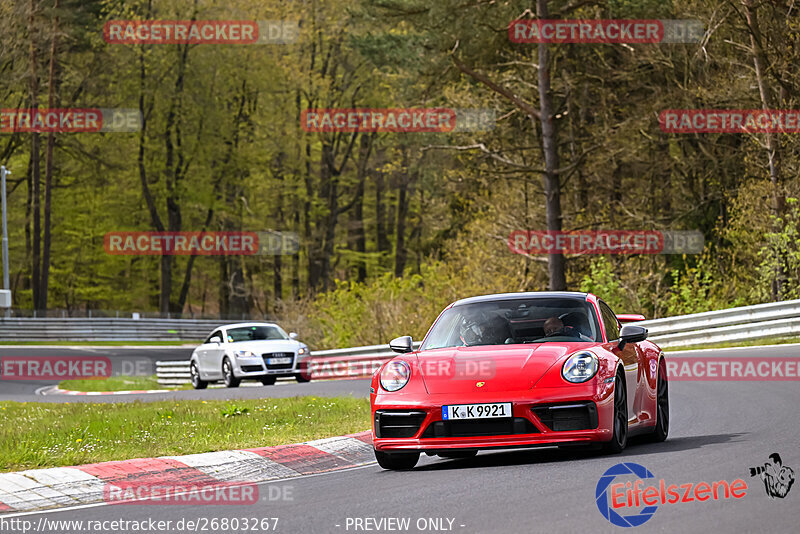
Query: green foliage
<point x="232" y="410"/>
<point x="603" y="282"/>
<point x="224" y="150"/>
<point x="356" y="314"/>
<point x="780" y="256"/>
<point x="694" y="290"/>
<point x="640" y="9"/>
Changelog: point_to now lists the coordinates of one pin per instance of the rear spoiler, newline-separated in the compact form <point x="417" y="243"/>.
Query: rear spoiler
<point x="630" y="317"/>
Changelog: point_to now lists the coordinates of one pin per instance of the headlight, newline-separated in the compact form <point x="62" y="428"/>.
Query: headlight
<point x="302" y="351"/>
<point x="244" y="354"/>
<point x="580" y="367"/>
<point x="395" y="375"/>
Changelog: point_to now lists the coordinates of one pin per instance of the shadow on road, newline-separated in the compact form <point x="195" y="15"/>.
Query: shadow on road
<point x="636" y="447"/>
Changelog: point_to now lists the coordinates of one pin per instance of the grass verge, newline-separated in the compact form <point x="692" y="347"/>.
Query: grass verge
<point x="733" y="344"/>
<point x="36" y="435"/>
<point x="118" y="383"/>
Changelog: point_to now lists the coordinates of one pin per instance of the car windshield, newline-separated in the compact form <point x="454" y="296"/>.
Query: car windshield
<point x="502" y="322"/>
<point x="253" y="333"/>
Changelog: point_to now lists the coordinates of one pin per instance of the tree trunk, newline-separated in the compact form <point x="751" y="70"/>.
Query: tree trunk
<point x="52" y="89"/>
<point x="35" y="173"/>
<point x="277" y="264"/>
<point x="27" y="283"/>
<point x="330" y="188"/>
<point x="296" y="259"/>
<point x="771" y="144"/>
<point x="155" y="219"/>
<point x="232" y="273"/>
<point x="552" y="187"/>
<point x="400" y="252"/>
<point x="173" y="171"/>
<point x="381" y="238"/>
<point x="358" y="213"/>
<point x="309" y="233"/>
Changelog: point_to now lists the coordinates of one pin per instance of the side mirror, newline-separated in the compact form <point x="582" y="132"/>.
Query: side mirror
<point x="292" y="335"/>
<point x="631" y="334"/>
<point x="401" y="344"/>
<point x="215" y="339"/>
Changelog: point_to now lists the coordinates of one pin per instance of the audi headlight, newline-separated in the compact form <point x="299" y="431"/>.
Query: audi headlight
<point x="580" y="367"/>
<point x="302" y="351"/>
<point x="395" y="375"/>
<point x="244" y="354"/>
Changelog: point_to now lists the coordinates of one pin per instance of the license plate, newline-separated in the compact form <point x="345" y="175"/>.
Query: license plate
<point x="278" y="361"/>
<point x="476" y="411"/>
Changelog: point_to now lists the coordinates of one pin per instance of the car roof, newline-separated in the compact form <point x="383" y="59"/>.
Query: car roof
<point x="526" y="295"/>
<point x="239" y="325"/>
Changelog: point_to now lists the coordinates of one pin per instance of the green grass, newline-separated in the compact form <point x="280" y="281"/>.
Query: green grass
<point x="177" y="342"/>
<point x="732" y="344"/>
<point x="117" y="383"/>
<point x="36" y="435"/>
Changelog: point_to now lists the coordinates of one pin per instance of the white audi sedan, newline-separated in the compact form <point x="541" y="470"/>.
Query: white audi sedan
<point x="260" y="351"/>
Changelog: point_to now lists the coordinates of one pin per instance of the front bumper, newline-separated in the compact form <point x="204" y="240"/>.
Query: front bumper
<point x="254" y="367"/>
<point x="533" y="423"/>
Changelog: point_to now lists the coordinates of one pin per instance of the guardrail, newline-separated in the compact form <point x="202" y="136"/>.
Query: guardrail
<point x="735" y="324"/>
<point x="777" y="319"/>
<point x="105" y="329"/>
<point x="356" y="362"/>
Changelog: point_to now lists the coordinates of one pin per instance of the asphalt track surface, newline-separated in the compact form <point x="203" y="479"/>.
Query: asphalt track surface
<point x="718" y="431"/>
<point x="141" y="361"/>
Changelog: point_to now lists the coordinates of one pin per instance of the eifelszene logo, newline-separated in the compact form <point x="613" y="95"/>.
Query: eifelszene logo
<point x="601" y="495"/>
<point x="613" y="498"/>
<point x="778" y="478"/>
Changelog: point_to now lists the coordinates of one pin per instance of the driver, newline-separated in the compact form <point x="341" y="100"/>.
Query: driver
<point x="479" y="328"/>
<point x="553" y="326"/>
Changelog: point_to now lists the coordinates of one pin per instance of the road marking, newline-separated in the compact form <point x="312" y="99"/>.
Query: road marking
<point x="98" y="504"/>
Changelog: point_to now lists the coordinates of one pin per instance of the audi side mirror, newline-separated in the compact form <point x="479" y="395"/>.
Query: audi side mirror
<point x="215" y="339"/>
<point x="293" y="335"/>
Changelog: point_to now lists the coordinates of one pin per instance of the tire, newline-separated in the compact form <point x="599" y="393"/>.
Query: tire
<point x="397" y="461"/>
<point x="268" y="380"/>
<point x="302" y="379"/>
<point x="458" y="454"/>
<point x="227" y="374"/>
<point x="619" y="438"/>
<point x="197" y="383"/>
<point x="661" y="430"/>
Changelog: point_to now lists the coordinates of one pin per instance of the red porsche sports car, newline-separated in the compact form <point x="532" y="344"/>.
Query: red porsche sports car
<point x="519" y="370"/>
